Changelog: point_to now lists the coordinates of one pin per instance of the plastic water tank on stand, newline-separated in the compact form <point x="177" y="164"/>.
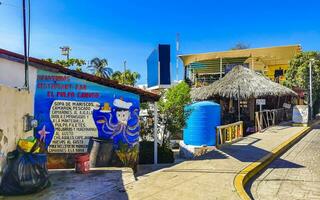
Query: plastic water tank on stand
<point x="201" y="124"/>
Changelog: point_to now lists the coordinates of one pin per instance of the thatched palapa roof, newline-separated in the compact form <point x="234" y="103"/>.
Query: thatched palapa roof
<point x="251" y="83"/>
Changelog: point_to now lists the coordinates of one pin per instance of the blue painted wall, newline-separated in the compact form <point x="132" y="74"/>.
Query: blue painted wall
<point x="71" y="110"/>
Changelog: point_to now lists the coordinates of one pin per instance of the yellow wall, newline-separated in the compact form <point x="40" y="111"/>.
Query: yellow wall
<point x="270" y="70"/>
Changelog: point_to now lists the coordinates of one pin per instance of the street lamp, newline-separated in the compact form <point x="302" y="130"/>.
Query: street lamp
<point x="65" y="51"/>
<point x="310" y="88"/>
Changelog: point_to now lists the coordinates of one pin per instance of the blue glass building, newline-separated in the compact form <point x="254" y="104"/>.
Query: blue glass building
<point x="158" y="67"/>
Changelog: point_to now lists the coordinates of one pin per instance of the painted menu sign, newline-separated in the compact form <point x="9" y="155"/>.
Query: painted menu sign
<point x="71" y="110"/>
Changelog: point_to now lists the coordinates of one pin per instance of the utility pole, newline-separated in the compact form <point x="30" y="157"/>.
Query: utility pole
<point x="26" y="57"/>
<point x="177" y="58"/>
<point x="310" y="88"/>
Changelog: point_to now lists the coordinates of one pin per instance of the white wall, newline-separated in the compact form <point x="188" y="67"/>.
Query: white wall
<point x="12" y="74"/>
<point x="14" y="104"/>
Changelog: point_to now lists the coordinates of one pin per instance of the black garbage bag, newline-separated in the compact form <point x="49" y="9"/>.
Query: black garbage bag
<point x="25" y="173"/>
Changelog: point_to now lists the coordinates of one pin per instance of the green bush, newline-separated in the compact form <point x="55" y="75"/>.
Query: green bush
<point x="165" y="155"/>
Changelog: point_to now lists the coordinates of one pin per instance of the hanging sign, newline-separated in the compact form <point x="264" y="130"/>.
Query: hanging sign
<point x="261" y="102"/>
<point x="286" y="105"/>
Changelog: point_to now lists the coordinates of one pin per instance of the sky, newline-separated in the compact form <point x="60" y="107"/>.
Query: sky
<point x="122" y="30"/>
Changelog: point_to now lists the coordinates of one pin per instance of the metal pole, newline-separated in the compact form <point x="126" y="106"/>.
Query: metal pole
<point x="26" y="60"/>
<point x="177" y="59"/>
<point x="155" y="134"/>
<point x="239" y="103"/>
<point x="310" y="89"/>
<point x="220" y="68"/>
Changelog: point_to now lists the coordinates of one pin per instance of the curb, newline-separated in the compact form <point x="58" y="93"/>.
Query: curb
<point x="251" y="170"/>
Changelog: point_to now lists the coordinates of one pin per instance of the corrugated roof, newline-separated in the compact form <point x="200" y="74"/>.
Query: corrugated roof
<point x="144" y="95"/>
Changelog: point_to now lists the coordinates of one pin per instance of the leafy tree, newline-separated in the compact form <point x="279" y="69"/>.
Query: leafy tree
<point x="117" y="75"/>
<point x="297" y="75"/>
<point x="127" y="77"/>
<point x="240" y="45"/>
<point x="100" y="68"/>
<point x="171" y="110"/>
<point x="146" y="122"/>
<point x="68" y="63"/>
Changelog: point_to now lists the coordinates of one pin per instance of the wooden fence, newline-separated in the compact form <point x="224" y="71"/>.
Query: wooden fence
<point x="229" y="133"/>
<point x="267" y="118"/>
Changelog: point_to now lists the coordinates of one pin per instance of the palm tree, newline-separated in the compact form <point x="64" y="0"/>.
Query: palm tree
<point x="127" y="77"/>
<point x="117" y="75"/>
<point x="100" y="67"/>
<point x="131" y="78"/>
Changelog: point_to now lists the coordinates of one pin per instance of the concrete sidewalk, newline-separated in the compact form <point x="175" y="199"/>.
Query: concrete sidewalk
<point x="208" y="177"/>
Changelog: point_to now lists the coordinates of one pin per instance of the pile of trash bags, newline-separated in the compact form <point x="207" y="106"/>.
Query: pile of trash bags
<point x="26" y="170"/>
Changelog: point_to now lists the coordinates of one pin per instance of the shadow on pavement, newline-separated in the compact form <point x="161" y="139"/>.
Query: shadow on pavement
<point x="215" y="154"/>
<point x="98" y="184"/>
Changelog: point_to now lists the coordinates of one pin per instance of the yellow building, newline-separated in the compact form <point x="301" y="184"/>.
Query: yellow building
<point x="204" y="68"/>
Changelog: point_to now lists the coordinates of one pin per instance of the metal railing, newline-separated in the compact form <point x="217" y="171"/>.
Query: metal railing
<point x="229" y="133"/>
<point x="267" y="118"/>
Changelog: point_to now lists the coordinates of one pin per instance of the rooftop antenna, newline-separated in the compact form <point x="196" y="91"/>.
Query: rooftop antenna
<point x="124" y="71"/>
<point x="177" y="58"/>
<point x="65" y="51"/>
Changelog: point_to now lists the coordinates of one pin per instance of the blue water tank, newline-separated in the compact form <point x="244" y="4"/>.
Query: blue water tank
<point x="201" y="124"/>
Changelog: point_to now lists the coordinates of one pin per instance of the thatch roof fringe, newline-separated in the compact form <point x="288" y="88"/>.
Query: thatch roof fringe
<point x="250" y="83"/>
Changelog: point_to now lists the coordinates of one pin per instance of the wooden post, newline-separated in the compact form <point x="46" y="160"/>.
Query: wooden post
<point x="221" y="136"/>
<point x="258" y="127"/>
<point x="267" y="113"/>
<point x="241" y="129"/>
<point x="217" y="137"/>
<point x="274" y="117"/>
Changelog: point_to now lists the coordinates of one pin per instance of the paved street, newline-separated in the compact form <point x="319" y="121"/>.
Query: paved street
<point x="295" y="175"/>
